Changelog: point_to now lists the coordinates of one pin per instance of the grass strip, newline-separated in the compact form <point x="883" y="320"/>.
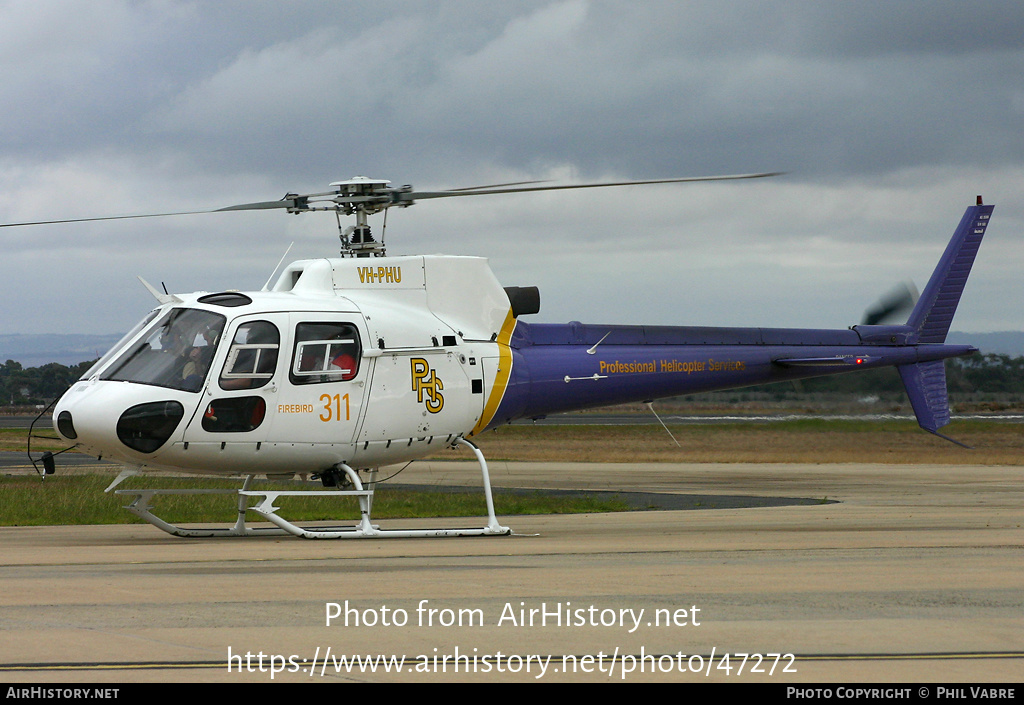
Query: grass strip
<point x="79" y="499"/>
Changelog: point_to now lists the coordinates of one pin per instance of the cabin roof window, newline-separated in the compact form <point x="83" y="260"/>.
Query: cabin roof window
<point x="227" y="298"/>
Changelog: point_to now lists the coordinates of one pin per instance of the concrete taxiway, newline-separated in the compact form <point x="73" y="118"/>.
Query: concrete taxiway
<point x="915" y="575"/>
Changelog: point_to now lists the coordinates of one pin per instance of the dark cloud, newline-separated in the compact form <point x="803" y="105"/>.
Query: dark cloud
<point x="888" y="116"/>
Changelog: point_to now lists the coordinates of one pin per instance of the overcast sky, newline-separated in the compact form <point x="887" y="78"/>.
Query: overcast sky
<point x="887" y="117"/>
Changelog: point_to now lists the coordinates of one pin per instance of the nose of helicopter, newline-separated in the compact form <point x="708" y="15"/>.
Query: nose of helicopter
<point x="110" y="419"/>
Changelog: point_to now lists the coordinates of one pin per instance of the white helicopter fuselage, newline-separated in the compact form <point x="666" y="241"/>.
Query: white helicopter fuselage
<point x="360" y="361"/>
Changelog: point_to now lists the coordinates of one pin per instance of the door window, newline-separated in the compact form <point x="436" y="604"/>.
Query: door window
<point x="252" y="357"/>
<point x="234" y="414"/>
<point x="325" y="352"/>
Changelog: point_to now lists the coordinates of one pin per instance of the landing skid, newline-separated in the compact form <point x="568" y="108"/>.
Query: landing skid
<point x="265" y="508"/>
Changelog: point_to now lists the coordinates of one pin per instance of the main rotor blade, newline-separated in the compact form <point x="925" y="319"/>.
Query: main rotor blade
<point x="389" y="197"/>
<point x="262" y="205"/>
<point x="415" y="195"/>
<point x="106" y="217"/>
<point x="511" y="183"/>
<point x="259" y="205"/>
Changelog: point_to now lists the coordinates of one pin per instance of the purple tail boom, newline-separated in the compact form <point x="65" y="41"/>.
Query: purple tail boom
<point x="565" y="367"/>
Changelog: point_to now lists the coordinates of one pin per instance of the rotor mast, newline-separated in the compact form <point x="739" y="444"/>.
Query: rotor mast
<point x="361" y="196"/>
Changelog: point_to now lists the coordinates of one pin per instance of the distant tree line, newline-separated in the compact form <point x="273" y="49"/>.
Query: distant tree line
<point x="29" y="386"/>
<point x="992" y="374"/>
<point x="988" y="375"/>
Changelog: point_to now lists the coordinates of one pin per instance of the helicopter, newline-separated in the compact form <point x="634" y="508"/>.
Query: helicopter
<point x="346" y="365"/>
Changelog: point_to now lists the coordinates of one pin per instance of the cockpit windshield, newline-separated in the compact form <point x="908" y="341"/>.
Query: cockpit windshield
<point x="175" y="352"/>
<point x="119" y="345"/>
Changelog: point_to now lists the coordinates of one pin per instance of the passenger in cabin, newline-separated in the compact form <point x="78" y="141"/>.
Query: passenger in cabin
<point x="345" y="364"/>
<point x="199" y="360"/>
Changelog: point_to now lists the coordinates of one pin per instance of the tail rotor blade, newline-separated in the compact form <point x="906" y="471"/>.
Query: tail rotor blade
<point x="888" y="309"/>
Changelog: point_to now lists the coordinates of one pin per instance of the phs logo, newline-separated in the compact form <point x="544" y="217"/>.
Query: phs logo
<point x="426" y="381"/>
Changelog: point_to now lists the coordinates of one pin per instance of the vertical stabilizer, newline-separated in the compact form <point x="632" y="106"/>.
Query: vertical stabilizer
<point x="933" y="314"/>
<point x="925" y="381"/>
<point x="926" y="386"/>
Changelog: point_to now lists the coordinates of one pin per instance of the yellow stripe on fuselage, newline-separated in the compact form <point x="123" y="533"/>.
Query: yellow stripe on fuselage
<point x="503" y="376"/>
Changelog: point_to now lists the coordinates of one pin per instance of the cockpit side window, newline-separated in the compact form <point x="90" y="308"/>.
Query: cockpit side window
<point x="175" y="352"/>
<point x="325" y="352"/>
<point x="252" y="357"/>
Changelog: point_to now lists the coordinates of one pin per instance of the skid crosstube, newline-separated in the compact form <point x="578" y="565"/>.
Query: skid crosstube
<point x="266" y="509"/>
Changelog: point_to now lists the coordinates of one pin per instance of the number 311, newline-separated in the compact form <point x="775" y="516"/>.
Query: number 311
<point x="332" y="407"/>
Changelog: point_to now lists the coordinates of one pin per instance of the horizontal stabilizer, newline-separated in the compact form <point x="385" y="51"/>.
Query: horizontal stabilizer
<point x="835" y="361"/>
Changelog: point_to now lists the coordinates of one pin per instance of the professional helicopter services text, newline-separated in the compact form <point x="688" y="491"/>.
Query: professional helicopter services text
<point x="673" y="366"/>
